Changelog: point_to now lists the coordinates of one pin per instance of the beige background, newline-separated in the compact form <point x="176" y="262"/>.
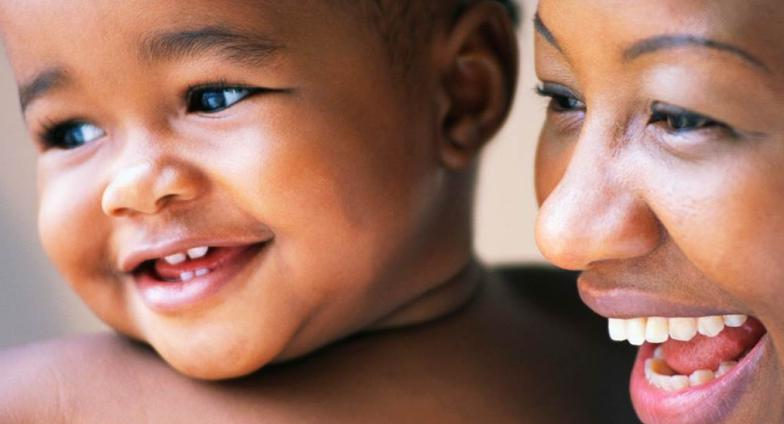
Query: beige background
<point x="35" y="303"/>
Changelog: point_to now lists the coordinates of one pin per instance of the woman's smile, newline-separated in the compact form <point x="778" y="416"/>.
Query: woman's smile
<point x="659" y="178"/>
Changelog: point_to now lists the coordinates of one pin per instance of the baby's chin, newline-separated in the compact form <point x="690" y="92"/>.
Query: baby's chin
<point x="218" y="354"/>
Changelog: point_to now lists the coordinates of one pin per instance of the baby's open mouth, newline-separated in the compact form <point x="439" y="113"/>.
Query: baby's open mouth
<point x="182" y="279"/>
<point x="691" y="351"/>
<point x="182" y="267"/>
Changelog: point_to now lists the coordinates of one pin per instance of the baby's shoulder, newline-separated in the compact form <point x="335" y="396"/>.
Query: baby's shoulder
<point x="52" y="381"/>
<point x="549" y="290"/>
<point x="559" y="337"/>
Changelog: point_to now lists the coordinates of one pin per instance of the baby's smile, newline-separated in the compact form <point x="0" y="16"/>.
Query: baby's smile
<point x="164" y="153"/>
<point x="181" y="277"/>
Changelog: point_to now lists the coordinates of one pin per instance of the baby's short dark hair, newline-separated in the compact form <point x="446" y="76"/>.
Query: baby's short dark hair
<point x="406" y="24"/>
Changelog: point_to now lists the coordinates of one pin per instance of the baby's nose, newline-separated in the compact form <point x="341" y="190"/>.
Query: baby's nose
<point x="146" y="187"/>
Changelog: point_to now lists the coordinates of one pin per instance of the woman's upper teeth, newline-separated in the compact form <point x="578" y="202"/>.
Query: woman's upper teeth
<point x="180" y="257"/>
<point x="657" y="329"/>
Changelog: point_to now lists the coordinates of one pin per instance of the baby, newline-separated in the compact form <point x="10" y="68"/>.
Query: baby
<point x="238" y="185"/>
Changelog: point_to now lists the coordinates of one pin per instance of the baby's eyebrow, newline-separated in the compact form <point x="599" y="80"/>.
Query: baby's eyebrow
<point x="244" y="48"/>
<point x="40" y="84"/>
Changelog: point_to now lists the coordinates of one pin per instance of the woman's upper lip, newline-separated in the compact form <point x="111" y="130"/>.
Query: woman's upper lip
<point x="130" y="259"/>
<point x="630" y="302"/>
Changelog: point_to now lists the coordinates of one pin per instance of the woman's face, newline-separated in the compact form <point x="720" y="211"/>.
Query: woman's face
<point x="660" y="174"/>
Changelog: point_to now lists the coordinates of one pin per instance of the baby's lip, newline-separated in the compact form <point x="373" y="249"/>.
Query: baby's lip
<point x="134" y="257"/>
<point x="613" y="301"/>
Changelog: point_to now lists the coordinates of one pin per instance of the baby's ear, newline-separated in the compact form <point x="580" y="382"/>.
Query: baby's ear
<point x="478" y="79"/>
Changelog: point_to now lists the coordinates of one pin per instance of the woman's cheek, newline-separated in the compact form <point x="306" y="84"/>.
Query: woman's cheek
<point x="727" y="232"/>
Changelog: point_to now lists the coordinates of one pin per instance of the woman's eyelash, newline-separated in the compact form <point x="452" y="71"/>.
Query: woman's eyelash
<point x="678" y="120"/>
<point x="562" y="100"/>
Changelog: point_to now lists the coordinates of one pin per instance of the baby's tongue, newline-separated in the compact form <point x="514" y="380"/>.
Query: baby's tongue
<point x="707" y="353"/>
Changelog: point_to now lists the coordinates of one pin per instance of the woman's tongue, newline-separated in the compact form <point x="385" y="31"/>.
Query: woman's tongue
<point x="707" y="353"/>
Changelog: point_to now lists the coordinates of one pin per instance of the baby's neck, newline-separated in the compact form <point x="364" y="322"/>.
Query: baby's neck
<point x="437" y="302"/>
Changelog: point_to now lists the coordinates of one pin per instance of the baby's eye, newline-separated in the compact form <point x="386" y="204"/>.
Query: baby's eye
<point x="216" y="99"/>
<point x="70" y="135"/>
<point x="677" y="120"/>
<point x="561" y="99"/>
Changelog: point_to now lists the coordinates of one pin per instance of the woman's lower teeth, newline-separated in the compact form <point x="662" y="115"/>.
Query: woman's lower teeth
<point x="659" y="374"/>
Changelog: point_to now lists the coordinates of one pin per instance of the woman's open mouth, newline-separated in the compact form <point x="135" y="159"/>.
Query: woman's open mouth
<point x="183" y="279"/>
<point x="689" y="369"/>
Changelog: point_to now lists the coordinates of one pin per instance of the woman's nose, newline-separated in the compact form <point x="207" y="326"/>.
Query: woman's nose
<point x="595" y="214"/>
<point x="146" y="186"/>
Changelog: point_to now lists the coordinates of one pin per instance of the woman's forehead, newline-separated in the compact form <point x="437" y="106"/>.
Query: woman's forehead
<point x="620" y="30"/>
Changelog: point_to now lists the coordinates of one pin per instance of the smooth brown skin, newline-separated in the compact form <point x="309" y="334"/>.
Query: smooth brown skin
<point x="365" y="189"/>
<point x="365" y="180"/>
<point x="517" y="353"/>
<point x="694" y="219"/>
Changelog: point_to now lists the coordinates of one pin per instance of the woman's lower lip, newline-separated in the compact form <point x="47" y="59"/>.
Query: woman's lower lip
<point x="171" y="297"/>
<point x="709" y="403"/>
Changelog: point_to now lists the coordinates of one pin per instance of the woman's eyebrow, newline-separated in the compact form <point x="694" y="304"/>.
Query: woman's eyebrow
<point x="240" y="47"/>
<point x="545" y="32"/>
<point x="663" y="42"/>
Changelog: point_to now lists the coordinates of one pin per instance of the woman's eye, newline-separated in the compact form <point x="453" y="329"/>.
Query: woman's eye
<point x="561" y="100"/>
<point x="216" y="99"/>
<point x="566" y="103"/>
<point x="677" y="120"/>
<point x="71" y="135"/>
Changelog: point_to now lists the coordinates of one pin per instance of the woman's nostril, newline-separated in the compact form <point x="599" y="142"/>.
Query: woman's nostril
<point x="558" y="241"/>
<point x="573" y="235"/>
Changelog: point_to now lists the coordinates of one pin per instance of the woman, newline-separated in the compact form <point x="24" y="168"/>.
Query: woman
<point x="659" y="175"/>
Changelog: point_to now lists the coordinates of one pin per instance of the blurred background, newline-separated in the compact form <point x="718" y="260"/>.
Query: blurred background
<point x="35" y="303"/>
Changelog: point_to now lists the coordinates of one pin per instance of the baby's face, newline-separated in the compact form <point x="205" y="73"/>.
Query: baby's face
<point x="234" y="184"/>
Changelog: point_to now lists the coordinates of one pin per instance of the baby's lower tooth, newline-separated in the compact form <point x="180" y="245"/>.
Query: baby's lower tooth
<point x="635" y="330"/>
<point x="700" y="377"/>
<point x="710" y="326"/>
<point x="656" y="330"/>
<point x="186" y="276"/>
<point x="617" y="329"/>
<point x="201" y="272"/>
<point x="683" y="329"/>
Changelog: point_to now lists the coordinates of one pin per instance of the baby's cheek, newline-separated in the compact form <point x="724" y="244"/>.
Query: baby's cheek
<point x="74" y="236"/>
